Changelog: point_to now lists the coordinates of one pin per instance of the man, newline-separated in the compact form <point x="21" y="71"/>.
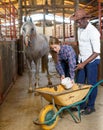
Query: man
<point x="66" y="60"/>
<point x="89" y="58"/>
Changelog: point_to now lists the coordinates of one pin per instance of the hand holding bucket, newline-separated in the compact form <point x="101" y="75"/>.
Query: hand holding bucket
<point x="67" y="82"/>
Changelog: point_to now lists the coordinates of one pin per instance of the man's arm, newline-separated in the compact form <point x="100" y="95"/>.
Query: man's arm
<point x="74" y="43"/>
<point x="92" y="57"/>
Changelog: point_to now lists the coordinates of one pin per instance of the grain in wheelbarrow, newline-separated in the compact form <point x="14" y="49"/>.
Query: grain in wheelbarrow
<point x="62" y="96"/>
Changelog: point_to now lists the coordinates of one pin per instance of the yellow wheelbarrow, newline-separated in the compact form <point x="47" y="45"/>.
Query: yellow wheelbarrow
<point x="61" y="99"/>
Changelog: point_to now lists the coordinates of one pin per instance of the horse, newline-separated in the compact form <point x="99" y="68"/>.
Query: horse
<point x="36" y="47"/>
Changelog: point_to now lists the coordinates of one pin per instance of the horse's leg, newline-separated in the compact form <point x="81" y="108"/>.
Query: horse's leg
<point x="30" y="76"/>
<point x="37" y="74"/>
<point x="48" y="74"/>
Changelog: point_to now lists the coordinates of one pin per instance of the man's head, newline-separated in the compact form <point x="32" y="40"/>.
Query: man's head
<point x="81" y="18"/>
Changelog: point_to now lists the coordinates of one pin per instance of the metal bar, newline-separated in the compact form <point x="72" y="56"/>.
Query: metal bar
<point x="99" y="16"/>
<point x="14" y="26"/>
<point x="53" y="102"/>
<point x="10" y="20"/>
<point x="19" y="14"/>
<point x="90" y="3"/>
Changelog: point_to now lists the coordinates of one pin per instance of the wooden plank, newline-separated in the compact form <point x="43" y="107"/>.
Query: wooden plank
<point x="100" y="76"/>
<point x="0" y="80"/>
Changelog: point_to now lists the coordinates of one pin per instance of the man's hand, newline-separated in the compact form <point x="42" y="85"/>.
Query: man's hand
<point x="80" y="66"/>
<point x="92" y="57"/>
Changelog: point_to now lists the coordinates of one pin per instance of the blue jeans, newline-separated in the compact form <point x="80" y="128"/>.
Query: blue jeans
<point x="89" y="75"/>
<point x="65" y="67"/>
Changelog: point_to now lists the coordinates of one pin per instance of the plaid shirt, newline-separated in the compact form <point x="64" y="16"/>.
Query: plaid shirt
<point x="66" y="53"/>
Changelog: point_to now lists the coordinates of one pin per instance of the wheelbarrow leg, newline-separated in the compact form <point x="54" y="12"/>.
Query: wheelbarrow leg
<point x="77" y="118"/>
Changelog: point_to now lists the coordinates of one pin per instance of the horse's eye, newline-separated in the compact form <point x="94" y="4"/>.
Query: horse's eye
<point x="32" y="29"/>
<point x="23" y="29"/>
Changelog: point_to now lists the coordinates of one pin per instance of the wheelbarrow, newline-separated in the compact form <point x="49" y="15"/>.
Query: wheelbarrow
<point x="61" y="99"/>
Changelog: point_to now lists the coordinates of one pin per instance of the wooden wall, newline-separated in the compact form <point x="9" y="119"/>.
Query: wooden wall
<point x="101" y="63"/>
<point x="8" y="66"/>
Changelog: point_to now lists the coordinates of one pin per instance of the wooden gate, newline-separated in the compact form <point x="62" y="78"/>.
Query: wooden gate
<point x="8" y="66"/>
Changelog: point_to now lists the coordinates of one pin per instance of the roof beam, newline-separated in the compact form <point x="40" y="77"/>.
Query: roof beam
<point x="47" y="6"/>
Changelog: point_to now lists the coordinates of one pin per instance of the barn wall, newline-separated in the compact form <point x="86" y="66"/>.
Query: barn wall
<point x="48" y="31"/>
<point x="8" y="66"/>
<point x="101" y="63"/>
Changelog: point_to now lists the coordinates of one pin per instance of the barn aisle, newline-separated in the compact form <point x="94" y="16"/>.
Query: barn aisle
<point x="20" y="108"/>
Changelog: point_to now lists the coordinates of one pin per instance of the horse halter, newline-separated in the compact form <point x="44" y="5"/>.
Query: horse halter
<point x="27" y="40"/>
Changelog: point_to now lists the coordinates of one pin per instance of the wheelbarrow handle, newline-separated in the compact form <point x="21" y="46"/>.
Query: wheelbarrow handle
<point x="91" y="89"/>
<point x="97" y="84"/>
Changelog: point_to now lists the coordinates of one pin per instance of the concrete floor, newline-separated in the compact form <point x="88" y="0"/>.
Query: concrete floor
<point x="20" y="108"/>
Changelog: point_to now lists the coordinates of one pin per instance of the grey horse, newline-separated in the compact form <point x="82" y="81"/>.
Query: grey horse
<point x="36" y="47"/>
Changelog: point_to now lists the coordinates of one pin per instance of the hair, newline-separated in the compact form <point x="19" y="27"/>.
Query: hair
<point x="53" y="41"/>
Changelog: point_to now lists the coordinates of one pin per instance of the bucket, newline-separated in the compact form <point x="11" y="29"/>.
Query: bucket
<point x="67" y="83"/>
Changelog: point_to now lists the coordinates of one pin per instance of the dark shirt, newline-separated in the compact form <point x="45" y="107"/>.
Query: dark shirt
<point x="66" y="53"/>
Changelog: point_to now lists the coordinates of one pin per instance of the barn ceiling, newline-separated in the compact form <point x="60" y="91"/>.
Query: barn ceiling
<point x="58" y="7"/>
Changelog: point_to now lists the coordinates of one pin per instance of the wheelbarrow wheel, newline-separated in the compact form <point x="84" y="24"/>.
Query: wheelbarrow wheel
<point x="45" y="115"/>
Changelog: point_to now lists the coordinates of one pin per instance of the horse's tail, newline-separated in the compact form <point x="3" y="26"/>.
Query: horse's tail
<point x="44" y="63"/>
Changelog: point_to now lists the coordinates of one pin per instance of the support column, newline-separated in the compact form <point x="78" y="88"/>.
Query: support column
<point x="19" y="15"/>
<point x="76" y="6"/>
<point x="100" y="16"/>
<point x="20" y="41"/>
<point x="44" y="23"/>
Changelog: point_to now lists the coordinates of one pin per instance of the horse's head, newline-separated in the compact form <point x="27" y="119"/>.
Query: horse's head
<point x="28" y="31"/>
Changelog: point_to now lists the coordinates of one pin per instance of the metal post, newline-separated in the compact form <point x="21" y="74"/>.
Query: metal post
<point x="99" y="16"/>
<point x="63" y="26"/>
<point x="19" y="15"/>
<point x="44" y="23"/>
<point x="54" y="26"/>
<point x="10" y="20"/>
<point x="20" y="41"/>
<point x="63" y="23"/>
<point x="76" y="6"/>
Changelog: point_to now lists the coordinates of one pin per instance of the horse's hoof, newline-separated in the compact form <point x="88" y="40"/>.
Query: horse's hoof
<point x="36" y="94"/>
<point x="50" y="83"/>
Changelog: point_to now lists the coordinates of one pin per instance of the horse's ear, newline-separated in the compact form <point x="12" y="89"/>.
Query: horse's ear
<point x="30" y="19"/>
<point x="25" y="19"/>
